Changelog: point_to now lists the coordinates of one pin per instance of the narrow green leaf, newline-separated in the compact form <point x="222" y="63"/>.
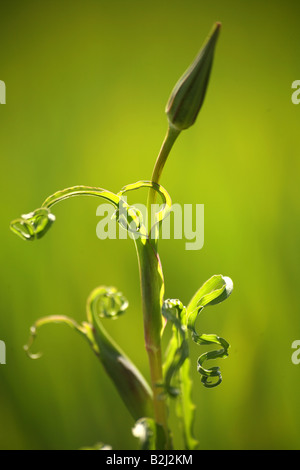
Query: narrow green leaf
<point x="185" y="407"/>
<point x="178" y="350"/>
<point x="131" y="385"/>
<point x="177" y="368"/>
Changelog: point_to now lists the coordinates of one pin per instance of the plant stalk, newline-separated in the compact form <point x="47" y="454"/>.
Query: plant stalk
<point x="152" y="290"/>
<point x="166" y="147"/>
<point x="152" y="287"/>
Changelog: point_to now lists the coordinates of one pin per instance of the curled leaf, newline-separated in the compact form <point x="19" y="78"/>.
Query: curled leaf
<point x="33" y="225"/>
<point x="130" y="384"/>
<point x="80" y="190"/>
<point x="36" y="224"/>
<point x="217" y="289"/>
<point x="210" y="377"/>
<point x="130" y="218"/>
<point x="56" y="319"/>
<point x="107" y="302"/>
<point x="161" y="214"/>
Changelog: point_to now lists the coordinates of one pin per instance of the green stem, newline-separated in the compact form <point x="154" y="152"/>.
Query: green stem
<point x="166" y="147"/>
<point x="159" y="401"/>
<point x="152" y="286"/>
<point x="152" y="289"/>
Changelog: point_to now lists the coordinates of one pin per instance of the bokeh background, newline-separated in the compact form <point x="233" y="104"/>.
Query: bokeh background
<point x="87" y="83"/>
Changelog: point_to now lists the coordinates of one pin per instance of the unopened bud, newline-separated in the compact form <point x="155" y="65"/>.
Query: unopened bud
<point x="188" y="95"/>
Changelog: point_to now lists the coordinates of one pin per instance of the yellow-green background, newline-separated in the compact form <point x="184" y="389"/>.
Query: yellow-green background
<point x="87" y="82"/>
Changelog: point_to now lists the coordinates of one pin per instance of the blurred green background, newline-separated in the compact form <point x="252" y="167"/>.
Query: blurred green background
<point x="87" y="82"/>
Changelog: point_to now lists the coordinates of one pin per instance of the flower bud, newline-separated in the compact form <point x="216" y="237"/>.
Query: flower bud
<point x="188" y="95"/>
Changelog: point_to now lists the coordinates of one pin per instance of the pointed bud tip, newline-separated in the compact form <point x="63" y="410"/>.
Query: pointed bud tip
<point x="188" y="95"/>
